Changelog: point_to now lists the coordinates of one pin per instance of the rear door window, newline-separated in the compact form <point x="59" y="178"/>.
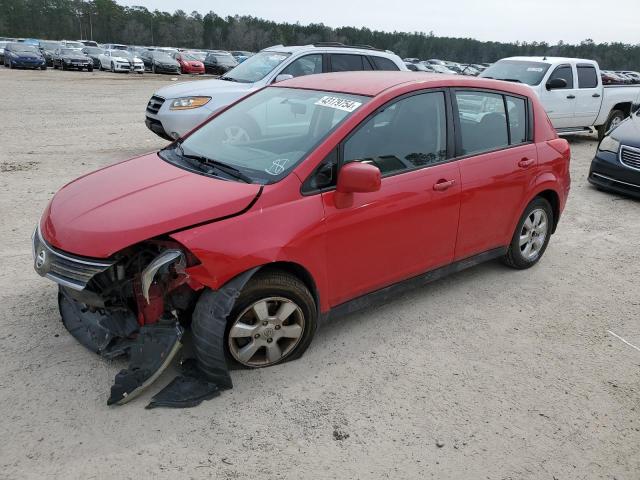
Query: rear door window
<point x="348" y="63"/>
<point x="587" y="76"/>
<point x="483" y="122"/>
<point x="565" y="72"/>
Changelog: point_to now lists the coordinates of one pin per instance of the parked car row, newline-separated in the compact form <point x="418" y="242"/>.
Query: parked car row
<point x="115" y="57"/>
<point x="627" y="77"/>
<point x="435" y="65"/>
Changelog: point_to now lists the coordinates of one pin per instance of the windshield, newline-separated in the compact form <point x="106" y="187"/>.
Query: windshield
<point x="69" y="51"/>
<point x="266" y="135"/>
<point x="199" y="56"/>
<point x="256" y="67"/>
<point x="74" y="45"/>
<point x="163" y="57"/>
<point x="21" y="47"/>
<point x="92" y="50"/>
<point x="189" y="57"/>
<point x="49" y="45"/>
<point x="530" y="73"/>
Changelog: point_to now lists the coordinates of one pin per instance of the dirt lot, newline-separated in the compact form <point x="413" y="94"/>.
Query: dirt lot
<point x="491" y="373"/>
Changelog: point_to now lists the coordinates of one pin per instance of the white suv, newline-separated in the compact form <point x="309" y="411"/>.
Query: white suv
<point x="176" y="109"/>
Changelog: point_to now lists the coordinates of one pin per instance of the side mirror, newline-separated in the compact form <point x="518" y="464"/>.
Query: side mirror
<point x="556" y="83"/>
<point x="358" y="177"/>
<point x="282" y="77"/>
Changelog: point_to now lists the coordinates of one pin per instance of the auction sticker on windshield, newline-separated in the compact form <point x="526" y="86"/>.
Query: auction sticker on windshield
<point x="338" y="103"/>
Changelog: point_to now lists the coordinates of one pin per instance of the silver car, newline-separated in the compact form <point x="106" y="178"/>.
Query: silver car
<point x="175" y="110"/>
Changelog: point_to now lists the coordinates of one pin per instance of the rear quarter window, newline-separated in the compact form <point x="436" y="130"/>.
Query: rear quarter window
<point x="382" y="63"/>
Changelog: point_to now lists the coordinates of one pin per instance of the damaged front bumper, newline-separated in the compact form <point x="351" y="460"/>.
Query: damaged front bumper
<point x="131" y="307"/>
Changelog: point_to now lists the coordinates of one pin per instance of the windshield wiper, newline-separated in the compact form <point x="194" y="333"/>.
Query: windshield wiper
<point x="511" y="80"/>
<point x="228" y="169"/>
<point x="228" y="79"/>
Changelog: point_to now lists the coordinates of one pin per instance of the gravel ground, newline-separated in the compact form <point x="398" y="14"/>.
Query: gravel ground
<point x="490" y="373"/>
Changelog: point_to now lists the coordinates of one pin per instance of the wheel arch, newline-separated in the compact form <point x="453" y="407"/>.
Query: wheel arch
<point x="625" y="107"/>
<point x="553" y="198"/>
<point x="298" y="271"/>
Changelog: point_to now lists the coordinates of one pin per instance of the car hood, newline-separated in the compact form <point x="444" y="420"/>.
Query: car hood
<point x="204" y="87"/>
<point x="105" y="211"/>
<point x="75" y="57"/>
<point x="628" y="132"/>
<point x="28" y="55"/>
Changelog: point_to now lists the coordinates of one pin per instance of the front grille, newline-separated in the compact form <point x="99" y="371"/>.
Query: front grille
<point x="61" y="267"/>
<point x="630" y="157"/>
<point x="154" y="104"/>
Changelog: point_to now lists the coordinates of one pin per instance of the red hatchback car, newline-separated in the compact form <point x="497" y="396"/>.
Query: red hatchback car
<point x="189" y="63"/>
<point x="340" y="190"/>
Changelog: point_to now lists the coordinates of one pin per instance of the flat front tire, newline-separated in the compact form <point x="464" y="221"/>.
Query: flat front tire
<point x="531" y="236"/>
<point x="272" y="321"/>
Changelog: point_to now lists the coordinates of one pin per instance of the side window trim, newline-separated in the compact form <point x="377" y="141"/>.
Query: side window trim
<point x="456" y="121"/>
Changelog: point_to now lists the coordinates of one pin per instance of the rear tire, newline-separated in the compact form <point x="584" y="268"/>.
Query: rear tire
<point x="530" y="238"/>
<point x="113" y="68"/>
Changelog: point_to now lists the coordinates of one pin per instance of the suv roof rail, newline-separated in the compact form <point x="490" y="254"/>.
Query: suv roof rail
<point x="342" y="45"/>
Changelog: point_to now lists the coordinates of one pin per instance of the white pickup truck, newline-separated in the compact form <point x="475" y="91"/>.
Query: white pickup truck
<point x="570" y="90"/>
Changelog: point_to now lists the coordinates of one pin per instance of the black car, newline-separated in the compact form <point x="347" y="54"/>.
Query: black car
<point x="23" y="55"/>
<point x="93" y="53"/>
<point x="159" y="62"/>
<point x="48" y="48"/>
<point x="219" y="63"/>
<point x="616" y="166"/>
<point x="70" y="58"/>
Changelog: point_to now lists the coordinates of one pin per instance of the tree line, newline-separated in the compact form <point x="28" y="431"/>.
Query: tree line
<point x="107" y="21"/>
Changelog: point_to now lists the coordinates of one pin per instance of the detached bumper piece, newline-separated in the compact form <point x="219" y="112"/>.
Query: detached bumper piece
<point x="150" y="354"/>
<point x="103" y="333"/>
<point x="187" y="390"/>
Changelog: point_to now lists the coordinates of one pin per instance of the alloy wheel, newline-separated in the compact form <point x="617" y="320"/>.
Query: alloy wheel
<point x="266" y="332"/>
<point x="533" y="234"/>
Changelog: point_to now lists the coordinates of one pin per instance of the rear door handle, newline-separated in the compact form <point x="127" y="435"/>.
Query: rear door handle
<point x="571" y="97"/>
<point x="442" y="185"/>
<point x="525" y="162"/>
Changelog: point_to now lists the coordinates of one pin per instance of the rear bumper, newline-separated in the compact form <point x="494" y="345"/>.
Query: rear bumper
<point x="608" y="173"/>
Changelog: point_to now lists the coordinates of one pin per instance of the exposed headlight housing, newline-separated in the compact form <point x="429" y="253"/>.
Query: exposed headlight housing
<point x="186" y="103"/>
<point x="609" y="144"/>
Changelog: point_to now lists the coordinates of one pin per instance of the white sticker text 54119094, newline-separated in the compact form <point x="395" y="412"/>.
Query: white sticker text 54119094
<point x="338" y="103"/>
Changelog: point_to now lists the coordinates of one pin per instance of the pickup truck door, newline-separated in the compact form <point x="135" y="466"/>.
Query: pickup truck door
<point x="588" y="95"/>
<point x="560" y="103"/>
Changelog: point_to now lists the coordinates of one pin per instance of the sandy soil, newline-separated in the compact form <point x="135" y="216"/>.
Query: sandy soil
<point x="491" y="373"/>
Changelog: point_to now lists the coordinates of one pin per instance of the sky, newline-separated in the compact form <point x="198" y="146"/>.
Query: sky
<point x="500" y="20"/>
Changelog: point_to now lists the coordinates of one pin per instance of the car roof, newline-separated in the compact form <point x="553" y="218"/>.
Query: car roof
<point x="328" y="48"/>
<point x="551" y="59"/>
<point x="372" y="83"/>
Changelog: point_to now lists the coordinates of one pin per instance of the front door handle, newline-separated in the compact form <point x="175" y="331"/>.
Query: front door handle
<point x="571" y="97"/>
<point x="595" y="95"/>
<point x="525" y="162"/>
<point x="442" y="185"/>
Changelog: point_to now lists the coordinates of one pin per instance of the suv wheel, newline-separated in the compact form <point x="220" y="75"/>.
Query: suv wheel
<point x="273" y="321"/>
<point x="532" y="234"/>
